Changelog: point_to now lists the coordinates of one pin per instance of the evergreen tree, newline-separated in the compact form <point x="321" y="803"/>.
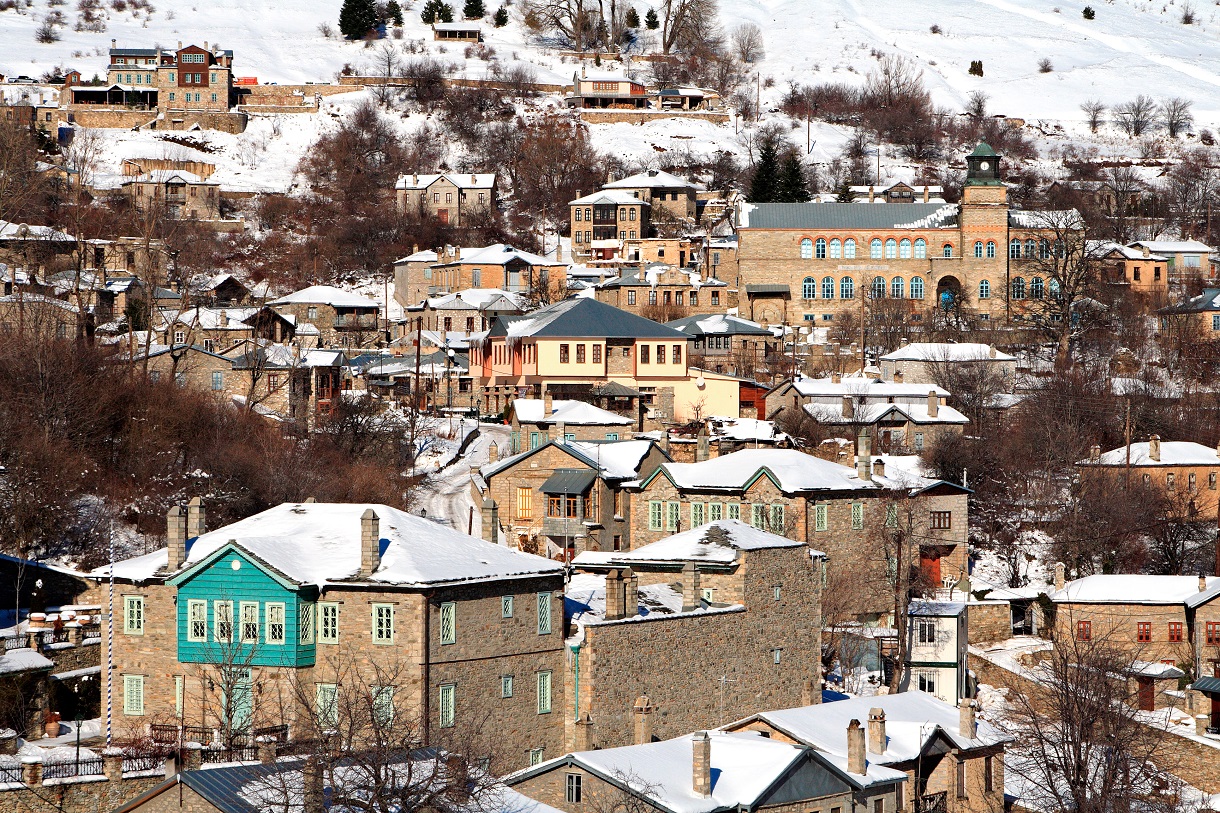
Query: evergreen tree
<point x="650" y="20"/>
<point x="501" y="18"/>
<point x="445" y="13"/>
<point x="393" y="13"/>
<point x="357" y="18"/>
<point x="791" y="188"/>
<point x="436" y="11"/>
<point x="633" y="17"/>
<point x="764" y="186"/>
<point x="473" y="10"/>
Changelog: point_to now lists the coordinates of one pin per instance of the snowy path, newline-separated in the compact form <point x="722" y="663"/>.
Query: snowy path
<point x="446" y="496"/>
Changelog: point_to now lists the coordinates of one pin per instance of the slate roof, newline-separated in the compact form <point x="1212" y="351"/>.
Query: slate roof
<point x="569" y="481"/>
<point x="718" y="324"/>
<point x="1207" y="301"/>
<point x="844" y="216"/>
<point x="582" y="318"/>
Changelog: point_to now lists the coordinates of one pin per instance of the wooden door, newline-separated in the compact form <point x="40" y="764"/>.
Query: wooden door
<point x="929" y="564"/>
<point x="1147" y="695"/>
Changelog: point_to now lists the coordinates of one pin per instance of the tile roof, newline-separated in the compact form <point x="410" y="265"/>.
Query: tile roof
<point x="849" y="216"/>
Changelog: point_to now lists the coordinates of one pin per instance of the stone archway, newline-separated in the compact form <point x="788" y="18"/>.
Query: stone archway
<point x="948" y="292"/>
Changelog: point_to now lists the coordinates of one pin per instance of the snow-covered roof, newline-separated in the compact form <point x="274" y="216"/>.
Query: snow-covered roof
<point x="36" y="299"/>
<point x="13" y="231"/>
<point x="1173" y="453"/>
<point x="477" y="180"/>
<point x="1045" y="219"/>
<point x="947" y="351"/>
<point x="1173" y="246"/>
<point x="716" y="542"/>
<point x="1100" y="248"/>
<point x="571" y="413"/>
<point x="858" y="387"/>
<point x="615" y="459"/>
<point x="497" y="254"/>
<point x="746" y="429"/>
<point x="169" y="176"/>
<point x="912" y="719"/>
<point x="718" y="324"/>
<point x="872" y="412"/>
<point x="1136" y="589"/>
<point x="614" y="196"/>
<point x="582" y="318"/>
<point x="936" y="609"/>
<point x="210" y="318"/>
<point x="793" y="471"/>
<point x="468" y="26"/>
<point x="652" y="179"/>
<point x="477" y="299"/>
<point x="604" y="76"/>
<point x="325" y="295"/>
<point x="23" y="660"/>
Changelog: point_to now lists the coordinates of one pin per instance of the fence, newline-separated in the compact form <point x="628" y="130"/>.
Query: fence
<point x="10" y="774"/>
<point x="15" y="642"/>
<point x="213" y="755"/>
<point x="143" y="762"/>
<point x="91" y="766"/>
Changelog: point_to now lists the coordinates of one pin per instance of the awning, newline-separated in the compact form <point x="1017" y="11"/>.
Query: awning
<point x="569" y="481"/>
<point x="1210" y="685"/>
<point x="770" y="288"/>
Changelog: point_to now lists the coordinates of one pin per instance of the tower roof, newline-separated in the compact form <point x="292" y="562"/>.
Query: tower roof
<point x="983" y="149"/>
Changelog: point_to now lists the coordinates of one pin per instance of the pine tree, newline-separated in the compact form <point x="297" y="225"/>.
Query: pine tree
<point x="436" y="11"/>
<point x="791" y="188"/>
<point x="650" y="20"/>
<point x="473" y="10"/>
<point x="501" y="18"/>
<point x="764" y="186"/>
<point x="445" y="13"/>
<point x="393" y="13"/>
<point x="633" y="18"/>
<point x="357" y="18"/>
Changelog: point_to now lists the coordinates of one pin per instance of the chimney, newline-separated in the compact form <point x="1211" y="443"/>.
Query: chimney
<point x="1094" y="453"/>
<point x="898" y="376"/>
<point x="876" y="730"/>
<point x="1154" y="448"/>
<point x="836" y="377"/>
<point x="561" y="432"/>
<point x="491" y="520"/>
<point x="927" y="193"/>
<point x="878" y="468"/>
<point x="415" y="246"/>
<point x="548" y="405"/>
<point x="493" y="453"/>
<point x="631" y="593"/>
<point x="864" y="457"/>
<point x="1147" y="251"/>
<point x="872" y="195"/>
<point x="849" y="409"/>
<point x="114" y="43"/>
<point x="457" y="252"/>
<point x="966" y="723"/>
<point x="224" y="318"/>
<point x="584" y="734"/>
<point x="175" y="537"/>
<point x="1059" y="576"/>
<point x="196" y="518"/>
<point x="664" y="441"/>
<point x="991" y="351"/>
<point x="855" y="748"/>
<point x="614" y="596"/>
<point x="642" y="712"/>
<point x="702" y="445"/>
<point x="559" y="252"/>
<point x="179" y="45"/>
<point x="701" y="764"/>
<point x="690" y="587"/>
<point x="1202" y="582"/>
<point x="807" y="690"/>
<point x="205" y="46"/>
<point x="473" y="179"/>
<point x="370" y="542"/>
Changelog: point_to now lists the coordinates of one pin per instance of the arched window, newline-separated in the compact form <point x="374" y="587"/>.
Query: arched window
<point x="828" y="287"/>
<point x="898" y="288"/>
<point x="904" y="249"/>
<point x="806" y="249"/>
<point x="579" y="211"/>
<point x="978" y="248"/>
<point x="849" y="248"/>
<point x="1037" y="289"/>
<point x="1029" y="248"/>
<point x="984" y="289"/>
<point x="1044" y="249"/>
<point x="1018" y="288"/>
<point x="820" y="248"/>
<point x="878" y="289"/>
<point x="588" y="213"/>
<point x="991" y="249"/>
<point x="921" y="248"/>
<point x="947" y="251"/>
<point x="1053" y="287"/>
<point x="1059" y="248"/>
<point x="809" y="288"/>
<point x="847" y="288"/>
<point x="916" y="287"/>
<point x="874" y="248"/>
<point x="891" y="248"/>
<point x="836" y="249"/>
<point x="1014" y="249"/>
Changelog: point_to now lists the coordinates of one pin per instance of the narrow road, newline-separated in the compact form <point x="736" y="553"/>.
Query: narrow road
<point x="446" y="495"/>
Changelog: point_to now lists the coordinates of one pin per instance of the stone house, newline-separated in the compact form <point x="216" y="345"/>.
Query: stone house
<point x="222" y="291"/>
<point x="728" y="344"/>
<point x="937" y="639"/>
<point x="719" y="435"/>
<point x="1183" y="471"/>
<point x="1197" y="320"/>
<point x="664" y="292"/>
<point x="193" y="367"/>
<point x="563" y="497"/>
<point x="342" y="318"/>
<point x="452" y="269"/>
<point x="606" y="89"/>
<point x="1170" y="625"/>
<point x="1134" y="267"/>
<point x="726" y="595"/>
<point x="259" y="624"/>
<point x="815" y="261"/>
<point x="1186" y="260"/>
<point x="452" y="198"/>
<point x="186" y="79"/>
<point x="285" y="381"/>
<point x="535" y="420"/>
<point x="180" y="194"/>
<point x="952" y="761"/>
<point x="28" y="314"/>
<point x="859" y="517"/>
<point x="604" y="221"/>
<point x="222" y="329"/>
<point x="712" y="771"/>
<point x="469" y="311"/>
<point x="667" y="193"/>
<point x="918" y="362"/>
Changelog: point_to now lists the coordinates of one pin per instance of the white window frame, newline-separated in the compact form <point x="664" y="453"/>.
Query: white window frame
<point x="326" y="705"/>
<point x="328" y="622"/>
<point x="133" y="615"/>
<point x="192" y="606"/>
<point x="821" y="518"/>
<point x="383" y="633"/>
<point x="222" y="613"/>
<point x="276" y="615"/>
<point x="506" y="685"/>
<point x="133" y="695"/>
<point x="244" y="609"/>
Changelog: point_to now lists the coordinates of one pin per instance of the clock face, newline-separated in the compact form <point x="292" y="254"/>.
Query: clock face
<point x="985" y="166"/>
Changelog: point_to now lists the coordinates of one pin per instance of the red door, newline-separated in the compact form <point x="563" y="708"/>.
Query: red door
<point x="929" y="564"/>
<point x="442" y="215"/>
<point x="1147" y="695"/>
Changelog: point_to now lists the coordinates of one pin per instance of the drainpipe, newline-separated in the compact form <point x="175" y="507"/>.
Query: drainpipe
<point x="425" y="665"/>
<point x="576" y="682"/>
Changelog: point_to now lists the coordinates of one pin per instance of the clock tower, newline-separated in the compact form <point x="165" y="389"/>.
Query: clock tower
<point x="983" y="166"/>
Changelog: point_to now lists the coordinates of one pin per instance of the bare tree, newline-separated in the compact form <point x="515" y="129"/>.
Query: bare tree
<point x="1176" y="116"/>
<point x="1094" y="111"/>
<point x="575" y="20"/>
<point x="683" y="21"/>
<point x="973" y="383"/>
<point x="748" y="42"/>
<point x="1136" y="116"/>
<point x="976" y="104"/>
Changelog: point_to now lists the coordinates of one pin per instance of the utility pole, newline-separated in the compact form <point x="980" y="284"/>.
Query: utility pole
<point x="863" y="299"/>
<point x="1127" y="437"/>
<point x="758" y="96"/>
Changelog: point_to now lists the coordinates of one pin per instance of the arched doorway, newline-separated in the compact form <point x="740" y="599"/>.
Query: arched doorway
<point x="948" y="293"/>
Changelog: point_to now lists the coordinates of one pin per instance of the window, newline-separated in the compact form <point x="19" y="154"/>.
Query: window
<point x="1018" y="288"/>
<point x="383" y="623"/>
<point x="597" y="353"/>
<point x="326" y="705"/>
<point x="925" y="631"/>
<point x="947" y="251"/>
<point x="305" y="614"/>
<point x="249" y="622"/>
<point x="1211" y="481"/>
<point x="877" y="291"/>
<point x="133" y="615"/>
<point x="820" y="248"/>
<point x="1044" y="249"/>
<point x="828" y="287"/>
<point x="1143" y="632"/>
<point x="525" y="494"/>
<point x="989" y="774"/>
<point x="734" y="509"/>
<point x="275" y="623"/>
<point x="506" y="685"/>
<point x="1037" y="288"/>
<point x="904" y="249"/>
<point x="715" y="297"/>
<point x="927" y="682"/>
<point x="544" y="613"/>
<point x="535" y="756"/>
<point x="978" y="249"/>
<point x="133" y="695"/>
<point x="218" y="380"/>
<point x="806" y="249"/>
<point x="652" y="297"/>
<point x="874" y="248"/>
<point x="660" y="354"/>
<point x="984" y="289"/>
<point x="448" y="622"/>
<point x="941" y="520"/>
<point x="506" y="606"/>
<point x="222" y="616"/>
<point x="446" y="706"/>
<point x="777" y="519"/>
<point x="645" y="354"/>
<point x="897" y="286"/>
<point x="1014" y="250"/>
<point x="694" y="299"/>
<point x="891" y="248"/>
<point x="544" y="692"/>
<point x="919" y="441"/>
<point x="328" y="623"/>
<point x="775" y="655"/>
<point x="179" y="337"/>
<point x="809" y="288"/>
<point x="578" y="213"/>
<point x="677" y="356"/>
<point x="1084" y="630"/>
<point x="916" y="287"/>
<point x="961" y="778"/>
<point x="778" y="592"/>
<point x="672" y="515"/>
<point x="820" y="522"/>
<point x="847" y="288"/>
<point x="654" y="515"/>
<point x="921" y="249"/>
<point x="1170" y="482"/>
<point x="1213" y="633"/>
<point x="891" y="516"/>
<point x="715" y="512"/>
<point x="196" y="620"/>
<point x="1190" y="482"/>
<point x="836" y="248"/>
<point x="849" y="248"/>
<point x="878" y="805"/>
<point x="857" y="516"/>
<point x="991" y="249"/>
<point x="192" y="58"/>
<point x="564" y="356"/>
<point x="758" y="515"/>
<point x="383" y="706"/>
<point x="572" y="793"/>
<point x="697" y="514"/>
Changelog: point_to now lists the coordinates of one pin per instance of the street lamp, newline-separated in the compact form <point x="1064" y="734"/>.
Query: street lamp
<point x="449" y="387"/>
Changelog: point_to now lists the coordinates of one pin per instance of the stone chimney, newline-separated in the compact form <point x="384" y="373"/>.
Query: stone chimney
<point x="927" y="193"/>
<point x="878" y="468"/>
<point x="836" y="377"/>
<point x="664" y="441"/>
<point x="584" y="734"/>
<point x="1202" y="582"/>
<point x="1094" y="453"/>
<point x="701" y="764"/>
<point x="457" y="252"/>
<point x="559" y="252"/>
<point x="991" y="351"/>
<point x="642" y="713"/>
<point x="561" y="431"/>
<point x="966" y="723"/>
<point x="1059" y="576"/>
<point x="491" y="520"/>
<point x="933" y="404"/>
<point x="370" y="542"/>
<point x="898" y="376"/>
<point x="614" y="596"/>
<point x="807" y="692"/>
<point x="548" y="404"/>
<point x="702" y="445"/>
<point x="1147" y="251"/>
<point x="224" y="318"/>
<point x="1154" y="448"/>
<point x="849" y="408"/>
<point x="175" y="538"/>
<point x="690" y="587"/>
<point x="473" y="179"/>
<point x="855" y="748"/>
<point x="493" y="453"/>
<point x="872" y="195"/>
<point x="864" y="456"/>
<point x="876" y="730"/>
<point x="196" y="518"/>
<point x="631" y="593"/>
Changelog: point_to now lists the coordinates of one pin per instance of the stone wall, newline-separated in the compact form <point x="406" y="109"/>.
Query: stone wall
<point x="123" y="118"/>
<point x="89" y="794"/>
<point x="989" y="621"/>
<point x="590" y="116"/>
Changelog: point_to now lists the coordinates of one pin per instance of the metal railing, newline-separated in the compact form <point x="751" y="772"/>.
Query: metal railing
<point x="213" y="755"/>
<point x="15" y="642"/>
<point x="142" y="762"/>
<point x="10" y="774"/>
<point x="90" y="766"/>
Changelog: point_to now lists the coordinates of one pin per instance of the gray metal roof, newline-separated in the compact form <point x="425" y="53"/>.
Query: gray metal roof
<point x="718" y="324"/>
<point x="584" y="318"/>
<point x="1211" y="685"/>
<point x="768" y="288"/>
<point x="569" y="481"/>
<point x="851" y="216"/>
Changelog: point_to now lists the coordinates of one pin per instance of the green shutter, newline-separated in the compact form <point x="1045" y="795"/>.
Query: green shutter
<point x="544" y="613"/>
<point x="857" y="516"/>
<point x="449" y="622"/>
<point x="654" y="515"/>
<point x="819" y="518"/>
<point x="544" y="692"/>
<point x="448" y="701"/>
<point x="133" y="695"/>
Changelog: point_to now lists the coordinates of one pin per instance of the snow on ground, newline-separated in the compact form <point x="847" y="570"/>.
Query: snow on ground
<point x="446" y="495"/>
